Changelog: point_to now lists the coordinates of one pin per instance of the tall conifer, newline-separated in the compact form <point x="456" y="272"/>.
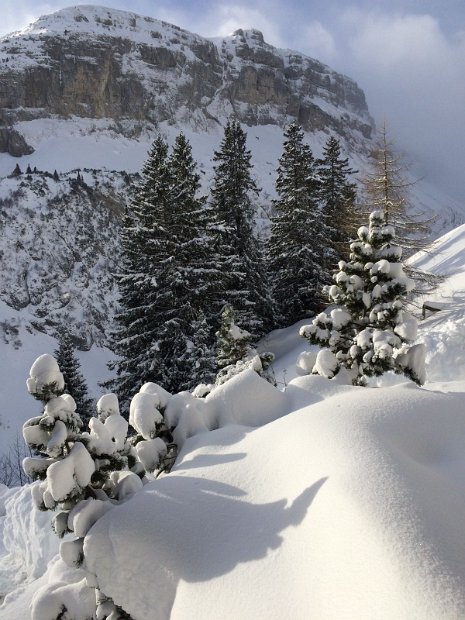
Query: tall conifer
<point x="296" y="248"/>
<point x="337" y="198"/>
<point x="167" y="278"/>
<point x="147" y="335"/>
<point x="196" y="270"/>
<point x="239" y="251"/>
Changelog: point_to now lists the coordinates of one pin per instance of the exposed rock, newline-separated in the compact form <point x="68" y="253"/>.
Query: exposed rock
<point x="93" y="62"/>
<point x="12" y="142"/>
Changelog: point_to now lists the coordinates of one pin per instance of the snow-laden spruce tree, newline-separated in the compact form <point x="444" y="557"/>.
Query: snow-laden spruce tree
<point x="143" y="278"/>
<point x="337" y="198"/>
<point x="235" y="352"/>
<point x="368" y="331"/>
<point x="81" y="474"/>
<point x="296" y="248"/>
<point x="197" y="272"/>
<point x="70" y="367"/>
<point x="168" y="277"/>
<point x="238" y="250"/>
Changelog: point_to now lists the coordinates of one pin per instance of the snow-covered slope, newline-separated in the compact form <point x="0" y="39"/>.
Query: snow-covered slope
<point x="323" y="501"/>
<point x="443" y="331"/>
<point x="334" y="511"/>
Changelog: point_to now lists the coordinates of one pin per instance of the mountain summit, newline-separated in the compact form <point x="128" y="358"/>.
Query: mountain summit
<point x="94" y="62"/>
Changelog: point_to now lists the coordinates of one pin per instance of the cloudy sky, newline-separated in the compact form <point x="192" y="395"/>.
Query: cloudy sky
<point x="407" y="55"/>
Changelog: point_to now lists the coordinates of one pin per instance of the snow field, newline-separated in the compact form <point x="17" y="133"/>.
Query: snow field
<point x="336" y="510"/>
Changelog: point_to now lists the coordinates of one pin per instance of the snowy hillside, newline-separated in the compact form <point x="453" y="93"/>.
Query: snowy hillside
<point x="322" y="501"/>
<point x="86" y="89"/>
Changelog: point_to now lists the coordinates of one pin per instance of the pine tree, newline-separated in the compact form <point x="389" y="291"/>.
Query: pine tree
<point x="168" y="276"/>
<point x="201" y="354"/>
<point x="240" y="260"/>
<point x="17" y="171"/>
<point x="233" y="341"/>
<point x="235" y="352"/>
<point x="296" y="248"/>
<point x="197" y="272"/>
<point x="337" y="198"/>
<point x="145" y="324"/>
<point x="368" y="332"/>
<point x="75" y="384"/>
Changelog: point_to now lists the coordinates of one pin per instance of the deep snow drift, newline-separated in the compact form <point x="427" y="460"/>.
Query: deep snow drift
<point x="350" y="504"/>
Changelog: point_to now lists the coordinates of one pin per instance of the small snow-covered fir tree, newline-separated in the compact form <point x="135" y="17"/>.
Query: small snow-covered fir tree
<point x="82" y="474"/>
<point x="233" y="342"/>
<point x="202" y="360"/>
<point x="296" y="248"/>
<point x="153" y="441"/>
<point x="235" y="353"/>
<point x="369" y="332"/>
<point x="70" y="367"/>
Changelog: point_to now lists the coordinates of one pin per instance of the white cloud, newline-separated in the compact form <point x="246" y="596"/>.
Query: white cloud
<point x="414" y="75"/>
<point x="223" y="19"/>
<point x="319" y="41"/>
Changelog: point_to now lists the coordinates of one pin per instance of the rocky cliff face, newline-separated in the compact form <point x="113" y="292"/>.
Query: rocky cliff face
<point x="97" y="63"/>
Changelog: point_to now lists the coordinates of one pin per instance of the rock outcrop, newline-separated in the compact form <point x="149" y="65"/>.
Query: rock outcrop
<point x="95" y="63"/>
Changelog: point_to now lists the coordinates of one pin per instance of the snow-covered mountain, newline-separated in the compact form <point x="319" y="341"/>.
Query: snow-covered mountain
<point x="94" y="62"/>
<point x="84" y="91"/>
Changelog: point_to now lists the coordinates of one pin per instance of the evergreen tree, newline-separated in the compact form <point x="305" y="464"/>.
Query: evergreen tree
<point x="79" y="473"/>
<point x="201" y="355"/>
<point x="235" y="353"/>
<point x="239" y="253"/>
<point x="17" y="171"/>
<point x="296" y="248"/>
<point x="368" y="332"/>
<point x="166" y="283"/>
<point x="70" y="367"/>
<point x="145" y="324"/>
<point x="337" y="198"/>
<point x="197" y="272"/>
<point x="233" y="343"/>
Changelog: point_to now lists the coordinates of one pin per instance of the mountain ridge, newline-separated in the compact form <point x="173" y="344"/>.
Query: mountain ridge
<point x="95" y="62"/>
